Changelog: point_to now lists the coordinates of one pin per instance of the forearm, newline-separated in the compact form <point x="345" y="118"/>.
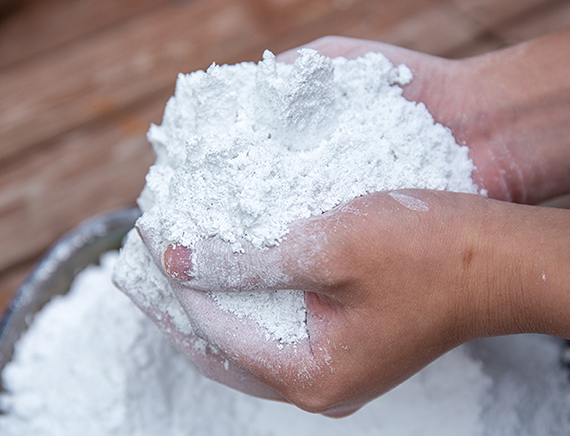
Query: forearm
<point x="519" y="110"/>
<point x="519" y="279"/>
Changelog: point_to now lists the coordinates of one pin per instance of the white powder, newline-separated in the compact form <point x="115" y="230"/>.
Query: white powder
<point x="92" y="364"/>
<point x="244" y="150"/>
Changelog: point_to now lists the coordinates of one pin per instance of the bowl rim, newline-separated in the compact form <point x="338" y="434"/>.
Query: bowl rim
<point x="57" y="267"/>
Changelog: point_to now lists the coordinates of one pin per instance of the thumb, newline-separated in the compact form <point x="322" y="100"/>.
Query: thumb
<point x="212" y="265"/>
<point x="298" y="262"/>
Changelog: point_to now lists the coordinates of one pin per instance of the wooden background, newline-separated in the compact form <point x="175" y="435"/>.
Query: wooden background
<point x="81" y="80"/>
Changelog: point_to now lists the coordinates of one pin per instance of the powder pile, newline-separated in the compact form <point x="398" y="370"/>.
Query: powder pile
<point x="92" y="364"/>
<point x="244" y="150"/>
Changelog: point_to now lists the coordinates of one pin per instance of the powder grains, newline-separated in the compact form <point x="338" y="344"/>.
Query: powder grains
<point x="244" y="150"/>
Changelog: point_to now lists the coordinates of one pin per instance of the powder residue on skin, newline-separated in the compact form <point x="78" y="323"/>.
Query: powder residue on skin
<point x="92" y="363"/>
<point x="409" y="202"/>
<point x="244" y="150"/>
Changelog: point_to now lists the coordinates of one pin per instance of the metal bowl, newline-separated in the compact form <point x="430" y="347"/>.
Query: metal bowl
<point x="55" y="271"/>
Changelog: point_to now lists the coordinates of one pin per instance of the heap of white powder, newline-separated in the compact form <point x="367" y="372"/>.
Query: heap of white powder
<point x="92" y="364"/>
<point x="244" y="150"/>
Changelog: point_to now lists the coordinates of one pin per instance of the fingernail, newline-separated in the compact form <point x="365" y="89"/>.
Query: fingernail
<point x="144" y="235"/>
<point x="177" y="262"/>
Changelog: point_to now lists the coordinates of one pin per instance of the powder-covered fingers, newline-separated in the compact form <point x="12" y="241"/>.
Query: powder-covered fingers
<point x="281" y="354"/>
<point x="153" y="293"/>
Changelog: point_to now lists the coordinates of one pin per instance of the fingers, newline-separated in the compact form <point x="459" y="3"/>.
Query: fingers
<point x="334" y="46"/>
<point x="427" y="70"/>
<point x="140" y="279"/>
<point x="286" y="367"/>
<point x="213" y="265"/>
<point x="320" y="254"/>
<point x="210" y="361"/>
<point x="351" y="48"/>
<point x="177" y="262"/>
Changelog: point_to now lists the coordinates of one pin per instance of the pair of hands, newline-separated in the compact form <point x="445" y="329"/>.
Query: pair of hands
<point x="390" y="288"/>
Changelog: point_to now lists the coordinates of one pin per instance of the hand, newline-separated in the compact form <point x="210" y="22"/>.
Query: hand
<point x="392" y="281"/>
<point x="510" y="107"/>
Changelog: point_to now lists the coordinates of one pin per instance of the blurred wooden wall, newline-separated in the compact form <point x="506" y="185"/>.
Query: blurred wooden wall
<point x="81" y="80"/>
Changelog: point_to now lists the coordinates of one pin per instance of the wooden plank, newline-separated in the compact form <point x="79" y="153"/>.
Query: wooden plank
<point x="277" y="17"/>
<point x="437" y="30"/>
<point x="48" y="96"/>
<point x="355" y="18"/>
<point x="409" y="24"/>
<point x="481" y="44"/>
<point x="89" y="171"/>
<point x="550" y="18"/>
<point x="51" y="95"/>
<point x="491" y="13"/>
<point x="40" y="26"/>
<point x="11" y="280"/>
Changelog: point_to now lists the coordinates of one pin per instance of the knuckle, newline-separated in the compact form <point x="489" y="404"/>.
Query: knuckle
<point x="329" y="41"/>
<point x="333" y="264"/>
<point x="319" y="398"/>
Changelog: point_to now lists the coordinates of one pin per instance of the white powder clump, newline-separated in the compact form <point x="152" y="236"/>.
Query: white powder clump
<point x="92" y="364"/>
<point x="244" y="150"/>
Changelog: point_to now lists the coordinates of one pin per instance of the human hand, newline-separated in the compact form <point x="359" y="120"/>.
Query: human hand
<point x="392" y="281"/>
<point x="510" y="107"/>
<point x="372" y="321"/>
<point x="389" y="288"/>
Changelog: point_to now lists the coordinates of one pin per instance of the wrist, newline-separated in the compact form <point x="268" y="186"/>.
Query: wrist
<point x="516" y="119"/>
<point x="520" y="283"/>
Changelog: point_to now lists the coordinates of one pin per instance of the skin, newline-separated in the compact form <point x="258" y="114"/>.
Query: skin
<point x="390" y="288"/>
